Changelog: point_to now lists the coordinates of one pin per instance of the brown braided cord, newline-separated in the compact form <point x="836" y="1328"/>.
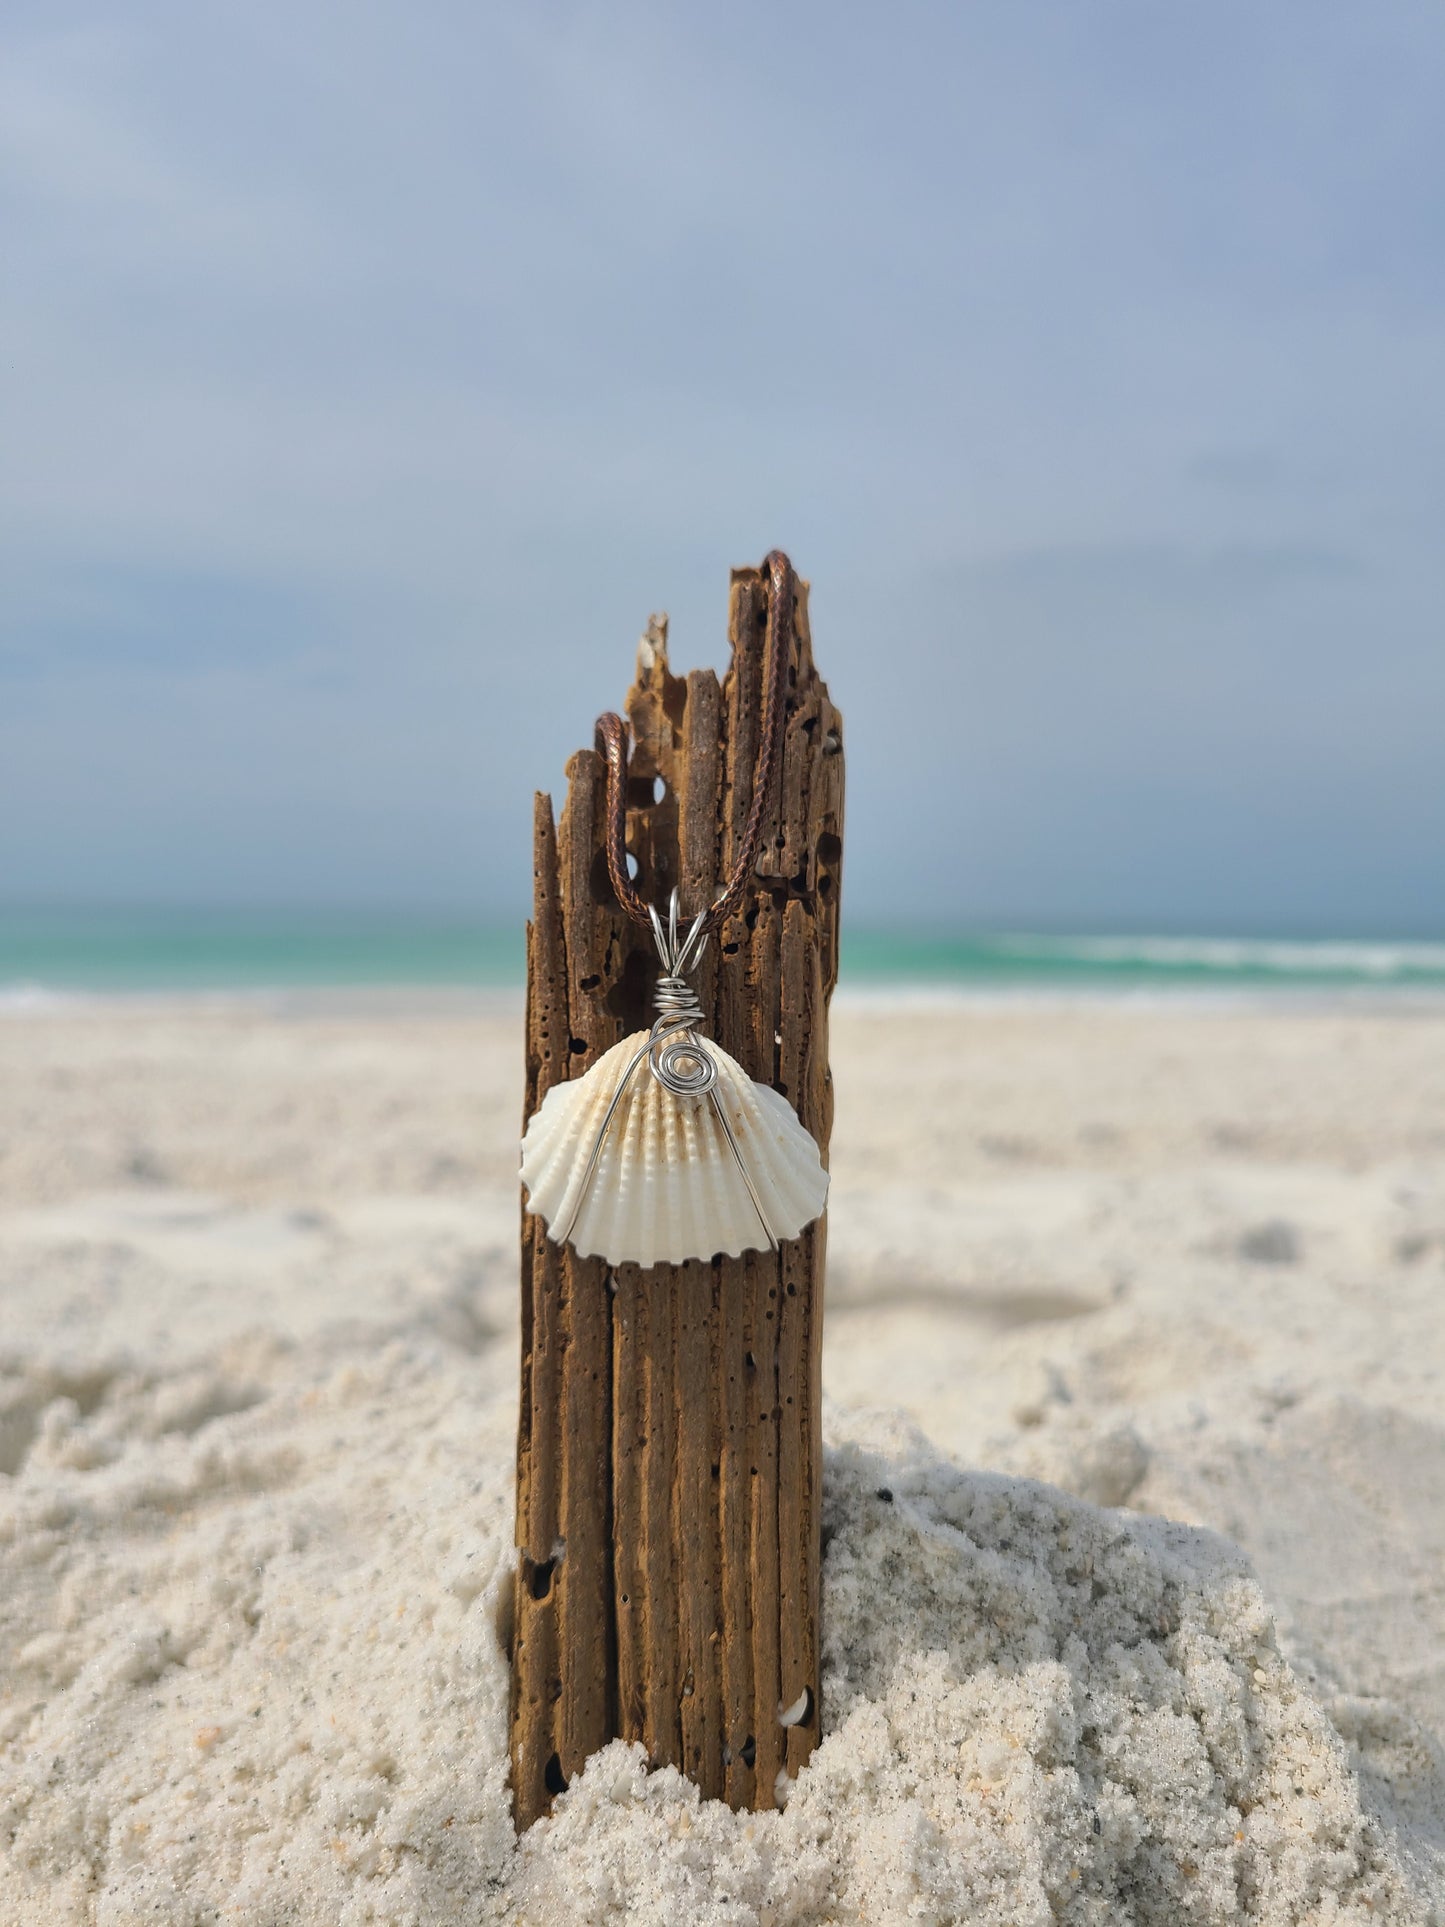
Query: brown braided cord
<point x="612" y="743"/>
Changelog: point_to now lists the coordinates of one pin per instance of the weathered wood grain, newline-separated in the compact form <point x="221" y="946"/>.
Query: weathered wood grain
<point x="668" y="1449"/>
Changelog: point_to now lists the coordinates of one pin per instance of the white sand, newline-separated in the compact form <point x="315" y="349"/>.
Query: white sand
<point x="257" y="1383"/>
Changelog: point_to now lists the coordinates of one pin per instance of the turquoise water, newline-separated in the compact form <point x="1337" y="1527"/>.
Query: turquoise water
<point x="197" y="950"/>
<point x="1142" y="962"/>
<point x="134" y="951"/>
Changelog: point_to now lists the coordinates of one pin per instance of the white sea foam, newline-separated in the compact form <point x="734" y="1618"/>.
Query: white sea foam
<point x="1328" y="957"/>
<point x="30" y="1000"/>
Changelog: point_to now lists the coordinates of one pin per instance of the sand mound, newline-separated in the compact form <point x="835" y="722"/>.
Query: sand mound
<point x="253" y="1618"/>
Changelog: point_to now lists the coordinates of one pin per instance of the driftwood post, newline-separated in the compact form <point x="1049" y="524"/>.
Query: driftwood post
<point x="668" y="1451"/>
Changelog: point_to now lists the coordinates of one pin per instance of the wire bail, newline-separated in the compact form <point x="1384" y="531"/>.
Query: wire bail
<point x="677" y="1056"/>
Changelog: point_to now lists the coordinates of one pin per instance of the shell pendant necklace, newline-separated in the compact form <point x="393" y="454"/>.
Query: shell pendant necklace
<point x="666" y="1149"/>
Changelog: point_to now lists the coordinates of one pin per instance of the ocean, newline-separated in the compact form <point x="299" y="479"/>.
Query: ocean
<point x="57" y="955"/>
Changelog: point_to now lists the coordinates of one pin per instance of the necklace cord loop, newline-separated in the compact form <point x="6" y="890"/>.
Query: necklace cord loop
<point x="612" y="743"/>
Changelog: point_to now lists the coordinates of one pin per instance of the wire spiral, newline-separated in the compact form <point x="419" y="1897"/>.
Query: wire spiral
<point x="678" y="1057"/>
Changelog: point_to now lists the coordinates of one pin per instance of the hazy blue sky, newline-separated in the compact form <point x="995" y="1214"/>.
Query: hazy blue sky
<point x="368" y="373"/>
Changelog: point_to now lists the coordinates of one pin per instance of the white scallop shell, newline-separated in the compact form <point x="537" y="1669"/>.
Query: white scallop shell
<point x="666" y="1186"/>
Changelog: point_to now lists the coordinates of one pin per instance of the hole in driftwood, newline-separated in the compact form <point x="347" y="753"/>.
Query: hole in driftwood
<point x="539" y="1576"/>
<point x="552" y="1774"/>
<point x="634" y="868"/>
<point x="504" y="1618"/>
<point x="589" y="983"/>
<point x="748" y="1752"/>
<point x="576" y="1045"/>
<point x="659" y="790"/>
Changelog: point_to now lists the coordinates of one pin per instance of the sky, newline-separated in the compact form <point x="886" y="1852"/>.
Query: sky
<point x="368" y="375"/>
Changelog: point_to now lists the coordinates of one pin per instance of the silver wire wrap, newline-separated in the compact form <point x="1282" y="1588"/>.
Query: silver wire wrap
<point x="677" y="1057"/>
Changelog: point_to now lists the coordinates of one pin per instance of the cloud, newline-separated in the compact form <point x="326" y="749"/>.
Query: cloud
<point x="1168" y="573"/>
<point x="367" y="380"/>
<point x="1235" y="471"/>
